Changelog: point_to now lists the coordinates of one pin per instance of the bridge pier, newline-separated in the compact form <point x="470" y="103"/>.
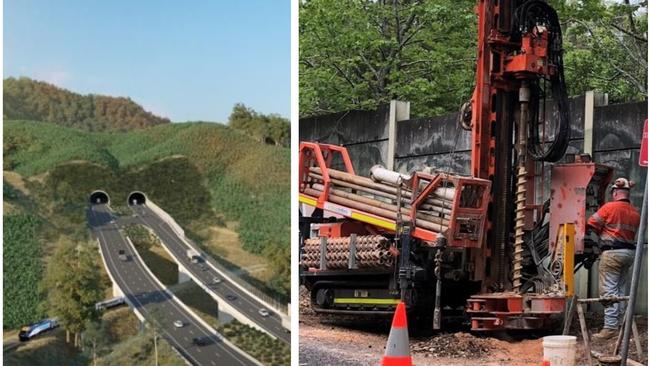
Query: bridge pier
<point x="223" y="316"/>
<point x="183" y="276"/>
<point x="117" y="291"/>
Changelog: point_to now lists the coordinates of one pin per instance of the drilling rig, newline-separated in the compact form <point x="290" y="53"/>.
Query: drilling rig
<point x="484" y="242"/>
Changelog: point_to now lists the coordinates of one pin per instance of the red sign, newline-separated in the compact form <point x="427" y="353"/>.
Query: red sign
<point x="643" y="157"/>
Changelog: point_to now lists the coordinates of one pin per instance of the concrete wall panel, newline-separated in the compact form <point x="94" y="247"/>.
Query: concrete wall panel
<point x="619" y="126"/>
<point x="434" y="135"/>
<point x="348" y="127"/>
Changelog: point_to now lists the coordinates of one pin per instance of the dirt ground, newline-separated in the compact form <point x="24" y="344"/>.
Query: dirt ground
<point x="358" y="341"/>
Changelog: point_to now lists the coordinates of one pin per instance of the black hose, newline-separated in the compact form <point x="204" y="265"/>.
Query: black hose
<point x="527" y="16"/>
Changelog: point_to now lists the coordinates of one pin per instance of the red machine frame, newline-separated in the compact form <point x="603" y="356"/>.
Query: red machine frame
<point x="322" y="155"/>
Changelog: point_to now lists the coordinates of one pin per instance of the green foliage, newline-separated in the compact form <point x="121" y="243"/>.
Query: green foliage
<point x="258" y="344"/>
<point x="195" y="171"/>
<point x="270" y="129"/>
<point x="606" y="47"/>
<point x="139" y="350"/>
<point x="72" y="283"/>
<point x="9" y="192"/>
<point x="95" y="338"/>
<point x="25" y="98"/>
<point x="47" y="350"/>
<point x="22" y="270"/>
<point x="359" y="54"/>
<point x="143" y="240"/>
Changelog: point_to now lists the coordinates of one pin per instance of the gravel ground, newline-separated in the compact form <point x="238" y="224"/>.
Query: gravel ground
<point x="358" y="341"/>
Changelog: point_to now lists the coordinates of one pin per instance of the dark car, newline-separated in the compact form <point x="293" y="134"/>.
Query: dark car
<point x="231" y="297"/>
<point x="202" y="341"/>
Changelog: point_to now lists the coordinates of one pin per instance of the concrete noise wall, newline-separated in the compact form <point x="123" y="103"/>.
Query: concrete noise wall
<point x="610" y="133"/>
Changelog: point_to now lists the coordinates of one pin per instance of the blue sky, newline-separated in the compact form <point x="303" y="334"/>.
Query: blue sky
<point x="186" y="60"/>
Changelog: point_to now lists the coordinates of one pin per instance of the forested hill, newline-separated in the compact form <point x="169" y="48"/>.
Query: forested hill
<point x="28" y="99"/>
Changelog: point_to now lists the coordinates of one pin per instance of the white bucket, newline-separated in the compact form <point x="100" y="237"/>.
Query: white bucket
<point x="560" y="350"/>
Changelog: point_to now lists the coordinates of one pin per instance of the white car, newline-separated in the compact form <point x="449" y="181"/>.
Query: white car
<point x="179" y="324"/>
<point x="216" y="280"/>
<point x="264" y="312"/>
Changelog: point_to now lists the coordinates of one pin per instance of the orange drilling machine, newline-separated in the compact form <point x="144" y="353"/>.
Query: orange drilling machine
<point x="480" y="243"/>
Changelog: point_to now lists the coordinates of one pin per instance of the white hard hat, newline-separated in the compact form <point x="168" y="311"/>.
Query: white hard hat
<point x="622" y="183"/>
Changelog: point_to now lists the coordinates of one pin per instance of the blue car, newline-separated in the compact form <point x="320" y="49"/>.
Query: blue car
<point x="30" y="331"/>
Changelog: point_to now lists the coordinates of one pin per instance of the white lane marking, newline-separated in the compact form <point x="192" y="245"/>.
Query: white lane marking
<point x="141" y="306"/>
<point x="174" y="305"/>
<point x="181" y="245"/>
<point x="180" y="310"/>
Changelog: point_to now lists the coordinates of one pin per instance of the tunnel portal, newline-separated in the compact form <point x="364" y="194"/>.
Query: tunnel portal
<point x="136" y="198"/>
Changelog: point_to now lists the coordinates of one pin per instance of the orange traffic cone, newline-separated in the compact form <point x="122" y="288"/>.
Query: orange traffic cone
<point x="397" y="349"/>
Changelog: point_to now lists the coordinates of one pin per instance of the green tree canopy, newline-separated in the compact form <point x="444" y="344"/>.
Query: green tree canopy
<point x="29" y="99"/>
<point x="271" y="129"/>
<point x="73" y="285"/>
<point x="606" y="47"/>
<point x="361" y="53"/>
<point x="358" y="54"/>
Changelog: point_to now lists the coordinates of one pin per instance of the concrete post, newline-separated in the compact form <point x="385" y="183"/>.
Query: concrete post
<point x="593" y="99"/>
<point x="224" y="317"/>
<point x="182" y="275"/>
<point x="117" y="292"/>
<point x="399" y="111"/>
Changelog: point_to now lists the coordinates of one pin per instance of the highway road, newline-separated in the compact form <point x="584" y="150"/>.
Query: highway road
<point x="246" y="304"/>
<point x="150" y="299"/>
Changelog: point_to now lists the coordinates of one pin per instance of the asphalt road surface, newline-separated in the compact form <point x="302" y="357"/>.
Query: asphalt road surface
<point x="152" y="302"/>
<point x="247" y="305"/>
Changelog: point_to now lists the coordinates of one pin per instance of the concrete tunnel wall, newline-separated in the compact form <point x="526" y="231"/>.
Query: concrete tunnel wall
<point x="99" y="197"/>
<point x="139" y="197"/>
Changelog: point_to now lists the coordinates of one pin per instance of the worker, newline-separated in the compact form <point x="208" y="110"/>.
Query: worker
<point x="616" y="224"/>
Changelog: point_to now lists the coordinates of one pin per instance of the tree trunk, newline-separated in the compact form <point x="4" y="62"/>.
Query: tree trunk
<point x="155" y="345"/>
<point x="67" y="336"/>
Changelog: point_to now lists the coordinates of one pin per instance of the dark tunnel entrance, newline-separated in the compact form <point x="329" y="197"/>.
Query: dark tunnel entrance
<point x="136" y="198"/>
<point x="99" y="198"/>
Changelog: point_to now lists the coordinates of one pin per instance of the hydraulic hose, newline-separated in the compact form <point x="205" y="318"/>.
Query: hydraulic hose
<point x="527" y="16"/>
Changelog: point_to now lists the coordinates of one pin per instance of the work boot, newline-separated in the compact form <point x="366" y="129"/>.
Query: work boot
<point x="606" y="333"/>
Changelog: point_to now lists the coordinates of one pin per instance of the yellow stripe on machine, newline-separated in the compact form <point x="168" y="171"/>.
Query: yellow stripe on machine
<point x="354" y="300"/>
<point x="373" y="220"/>
<point x="386" y="224"/>
<point x="307" y="200"/>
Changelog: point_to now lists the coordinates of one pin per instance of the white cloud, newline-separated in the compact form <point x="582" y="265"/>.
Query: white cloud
<point x="58" y="77"/>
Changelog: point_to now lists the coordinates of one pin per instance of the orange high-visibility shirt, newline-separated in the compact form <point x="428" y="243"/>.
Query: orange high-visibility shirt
<point x="616" y="221"/>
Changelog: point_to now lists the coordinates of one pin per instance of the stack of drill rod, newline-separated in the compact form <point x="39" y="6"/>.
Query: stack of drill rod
<point x="371" y="252"/>
<point x="380" y="199"/>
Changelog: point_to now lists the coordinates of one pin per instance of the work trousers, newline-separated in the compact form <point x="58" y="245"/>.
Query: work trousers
<point x="613" y="277"/>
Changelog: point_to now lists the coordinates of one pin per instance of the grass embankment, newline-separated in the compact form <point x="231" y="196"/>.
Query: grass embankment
<point x="257" y="344"/>
<point x="122" y="344"/>
<point x="49" y="349"/>
<point x="224" y="243"/>
<point x="153" y="254"/>
<point x="201" y="173"/>
<point x="252" y="341"/>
